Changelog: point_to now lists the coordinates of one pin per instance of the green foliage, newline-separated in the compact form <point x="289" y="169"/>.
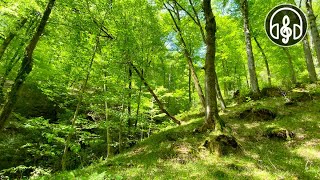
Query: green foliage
<point x="117" y="110"/>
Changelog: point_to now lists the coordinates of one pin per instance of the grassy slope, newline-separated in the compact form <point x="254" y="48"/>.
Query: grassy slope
<point x="176" y="153"/>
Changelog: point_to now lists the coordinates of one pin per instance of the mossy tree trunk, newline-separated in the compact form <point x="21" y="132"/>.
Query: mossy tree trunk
<point x="26" y="66"/>
<point x="213" y="119"/>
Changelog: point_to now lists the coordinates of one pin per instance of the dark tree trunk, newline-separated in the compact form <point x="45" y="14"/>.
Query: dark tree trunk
<point x="213" y="119"/>
<point x="153" y="94"/>
<point x="26" y="66"/>
<point x="10" y="37"/>
<point x="291" y="67"/>
<point x="251" y="64"/>
<point x="265" y="60"/>
<point x="309" y="60"/>
<point x="314" y="29"/>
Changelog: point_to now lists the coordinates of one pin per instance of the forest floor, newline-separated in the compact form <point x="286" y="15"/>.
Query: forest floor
<point x="177" y="153"/>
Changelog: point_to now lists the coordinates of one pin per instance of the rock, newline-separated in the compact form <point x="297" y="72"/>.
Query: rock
<point x="272" y="92"/>
<point x="259" y="114"/>
<point x="222" y="144"/>
<point x="279" y="133"/>
<point x="33" y="103"/>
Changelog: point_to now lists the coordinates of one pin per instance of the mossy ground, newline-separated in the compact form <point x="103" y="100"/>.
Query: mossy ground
<point x="177" y="153"/>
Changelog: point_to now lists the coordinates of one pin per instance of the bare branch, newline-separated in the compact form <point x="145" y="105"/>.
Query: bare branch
<point x="188" y="13"/>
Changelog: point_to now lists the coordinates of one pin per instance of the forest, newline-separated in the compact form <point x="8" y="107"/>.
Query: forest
<point x="157" y="89"/>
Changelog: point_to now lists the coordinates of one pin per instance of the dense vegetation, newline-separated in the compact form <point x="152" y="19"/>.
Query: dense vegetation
<point x="98" y="89"/>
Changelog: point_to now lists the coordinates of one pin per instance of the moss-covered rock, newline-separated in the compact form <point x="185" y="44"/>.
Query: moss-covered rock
<point x="272" y="92"/>
<point x="258" y="114"/>
<point x="279" y="133"/>
<point x="33" y="103"/>
<point x="222" y="144"/>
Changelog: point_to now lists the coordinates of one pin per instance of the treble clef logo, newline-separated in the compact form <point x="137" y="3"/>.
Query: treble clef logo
<point x="286" y="31"/>
<point x="286" y="25"/>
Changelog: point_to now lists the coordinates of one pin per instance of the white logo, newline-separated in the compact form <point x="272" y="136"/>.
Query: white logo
<point x="286" y="25"/>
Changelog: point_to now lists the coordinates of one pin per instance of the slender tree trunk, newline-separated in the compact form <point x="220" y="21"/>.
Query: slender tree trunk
<point x="10" y="37"/>
<point x="154" y="95"/>
<point x="265" y="60"/>
<point x="138" y="107"/>
<point x="219" y="95"/>
<point x="75" y="115"/>
<point x="129" y="99"/>
<point x="251" y="64"/>
<point x="120" y="133"/>
<point x="314" y="29"/>
<point x="291" y="67"/>
<point x="197" y="21"/>
<point x="26" y="67"/>
<point x="189" y="59"/>
<point x="309" y="60"/>
<point x="213" y="119"/>
<point x="107" y="122"/>
<point x="189" y="88"/>
<point x="13" y="61"/>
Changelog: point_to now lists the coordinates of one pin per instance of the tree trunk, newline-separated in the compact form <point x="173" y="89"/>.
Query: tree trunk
<point x="309" y="60"/>
<point x="80" y="97"/>
<point x="265" y="60"/>
<point x="213" y="119"/>
<point x="107" y="122"/>
<point x="13" y="61"/>
<point x="10" y="37"/>
<point x="314" y="29"/>
<point x="129" y="99"/>
<point x="153" y="94"/>
<point x="190" y="61"/>
<point x="291" y="67"/>
<point x="219" y="95"/>
<point x="26" y="66"/>
<point x="138" y="107"/>
<point x="189" y="88"/>
<point x="251" y="64"/>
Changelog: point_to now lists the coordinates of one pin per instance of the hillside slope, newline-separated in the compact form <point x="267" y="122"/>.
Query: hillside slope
<point x="177" y="153"/>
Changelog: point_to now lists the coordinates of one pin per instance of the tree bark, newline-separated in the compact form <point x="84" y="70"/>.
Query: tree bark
<point x="251" y="63"/>
<point x="213" y="119"/>
<point x="309" y="60"/>
<point x="26" y="66"/>
<point x="291" y="67"/>
<point x="265" y="60"/>
<point x="153" y="94"/>
<point x="314" y="29"/>
<point x="10" y="37"/>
